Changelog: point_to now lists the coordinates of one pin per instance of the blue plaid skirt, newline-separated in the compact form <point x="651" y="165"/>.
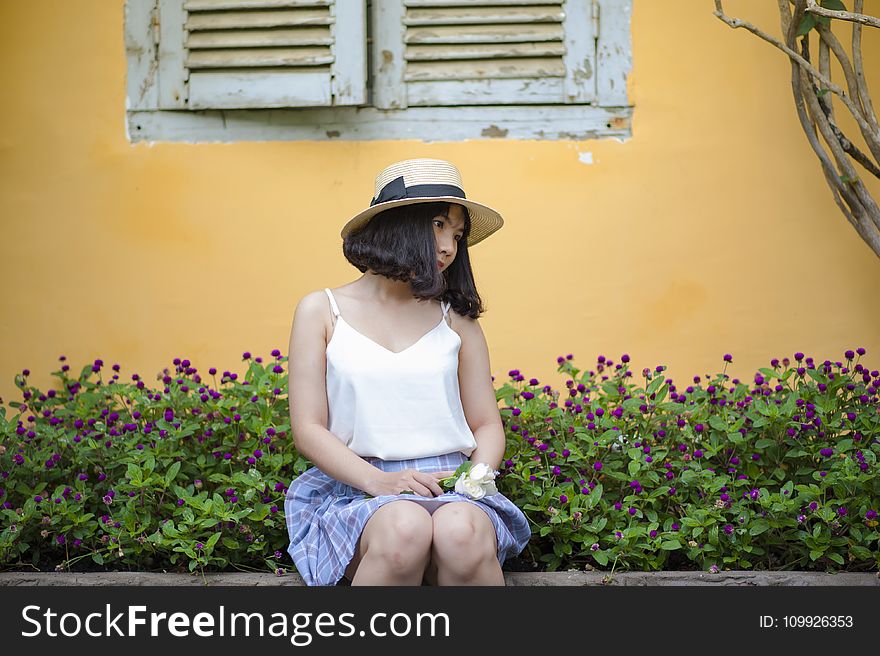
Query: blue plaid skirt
<point x="325" y="517"/>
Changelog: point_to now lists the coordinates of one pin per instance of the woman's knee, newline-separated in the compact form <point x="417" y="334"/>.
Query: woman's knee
<point x="463" y="536"/>
<point x="399" y="533"/>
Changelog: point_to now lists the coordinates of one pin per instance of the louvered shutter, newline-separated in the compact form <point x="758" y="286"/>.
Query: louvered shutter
<point x="453" y="52"/>
<point x="236" y="54"/>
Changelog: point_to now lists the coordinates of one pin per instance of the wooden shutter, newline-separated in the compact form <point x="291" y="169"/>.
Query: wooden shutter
<point x="233" y="54"/>
<point x="498" y="52"/>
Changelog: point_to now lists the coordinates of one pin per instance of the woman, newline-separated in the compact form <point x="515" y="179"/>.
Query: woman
<point x="390" y="391"/>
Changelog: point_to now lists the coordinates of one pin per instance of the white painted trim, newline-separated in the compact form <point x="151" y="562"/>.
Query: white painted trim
<point x="173" y="90"/>
<point x="349" y="82"/>
<point x="249" y="89"/>
<point x="389" y="87"/>
<point x="141" y="34"/>
<point x="613" y="52"/>
<point x="580" y="52"/>
<point x="429" y="124"/>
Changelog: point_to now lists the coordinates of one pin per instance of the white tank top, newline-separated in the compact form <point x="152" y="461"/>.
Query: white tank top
<point x="396" y="405"/>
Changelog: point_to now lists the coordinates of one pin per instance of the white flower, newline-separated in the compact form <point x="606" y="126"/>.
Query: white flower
<point x="480" y="473"/>
<point x="469" y="488"/>
<point x="478" y="482"/>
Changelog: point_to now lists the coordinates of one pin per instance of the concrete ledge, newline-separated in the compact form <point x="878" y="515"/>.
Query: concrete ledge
<point x="535" y="579"/>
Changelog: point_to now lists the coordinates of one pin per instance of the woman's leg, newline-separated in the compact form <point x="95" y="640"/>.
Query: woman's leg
<point x="464" y="549"/>
<point x="394" y="547"/>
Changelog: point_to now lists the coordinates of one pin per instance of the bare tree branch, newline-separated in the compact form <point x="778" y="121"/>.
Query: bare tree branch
<point x="816" y="113"/>
<point x="737" y="23"/>
<point x="860" y="18"/>
<point x="859" y="71"/>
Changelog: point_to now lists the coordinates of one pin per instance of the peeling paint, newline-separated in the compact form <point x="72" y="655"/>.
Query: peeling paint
<point x="387" y="61"/>
<point x="332" y="133"/>
<point x="494" y="131"/>
<point x="585" y="158"/>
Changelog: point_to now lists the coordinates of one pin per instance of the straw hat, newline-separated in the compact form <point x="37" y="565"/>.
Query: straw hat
<point x="425" y="181"/>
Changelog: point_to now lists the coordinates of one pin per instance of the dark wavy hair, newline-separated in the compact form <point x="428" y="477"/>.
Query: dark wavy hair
<point x="399" y="244"/>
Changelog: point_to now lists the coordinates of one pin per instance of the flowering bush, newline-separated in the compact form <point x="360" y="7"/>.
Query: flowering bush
<point x="778" y="474"/>
<point x="116" y="474"/>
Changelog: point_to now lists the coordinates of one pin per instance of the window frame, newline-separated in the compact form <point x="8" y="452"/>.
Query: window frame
<point x="609" y="116"/>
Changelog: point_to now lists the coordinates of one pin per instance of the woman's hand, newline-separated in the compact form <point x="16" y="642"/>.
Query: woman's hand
<point x="408" y="480"/>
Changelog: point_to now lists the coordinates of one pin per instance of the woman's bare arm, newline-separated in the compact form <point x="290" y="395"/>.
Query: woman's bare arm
<point x="478" y="394"/>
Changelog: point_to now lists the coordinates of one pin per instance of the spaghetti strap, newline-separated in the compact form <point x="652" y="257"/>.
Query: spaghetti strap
<point x="332" y="302"/>
<point x="445" y="305"/>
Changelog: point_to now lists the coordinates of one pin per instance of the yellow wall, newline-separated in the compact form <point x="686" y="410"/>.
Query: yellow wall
<point x="711" y="231"/>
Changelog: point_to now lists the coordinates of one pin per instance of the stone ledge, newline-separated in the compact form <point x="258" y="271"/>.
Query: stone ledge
<point x="519" y="579"/>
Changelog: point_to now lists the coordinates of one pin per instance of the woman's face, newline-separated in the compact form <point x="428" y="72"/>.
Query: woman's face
<point x="448" y="230"/>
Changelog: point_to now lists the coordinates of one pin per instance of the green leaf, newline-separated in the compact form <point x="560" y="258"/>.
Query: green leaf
<point x="835" y="5"/>
<point x="759" y="527"/>
<point x="655" y="385"/>
<point x="862" y="553"/>
<point x="836" y="557"/>
<point x="764" y="443"/>
<point x="601" y="557"/>
<point x="212" y="540"/>
<point x="98" y="558"/>
<point x="171" y="474"/>
<point x="807" y="23"/>
<point x="134" y="474"/>
<point x="670" y="545"/>
<point x="815" y="554"/>
<point x="718" y="423"/>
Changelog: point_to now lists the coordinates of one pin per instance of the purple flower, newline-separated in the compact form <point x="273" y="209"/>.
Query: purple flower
<point x="618" y="505"/>
<point x="713" y="569"/>
<point x="826" y="452"/>
<point x="107" y="499"/>
<point x="672" y="491"/>
<point x="594" y="546"/>
<point x="725" y="496"/>
<point x="652" y="533"/>
<point x="563" y="498"/>
<point x="631" y="510"/>
<point x="597" y="466"/>
<point x="842" y="511"/>
<point x="871" y="514"/>
<point x="199" y="546"/>
<point x="180" y="502"/>
<point x="698" y="453"/>
<point x="813" y="505"/>
<point x="60" y="539"/>
<point x="801" y="519"/>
